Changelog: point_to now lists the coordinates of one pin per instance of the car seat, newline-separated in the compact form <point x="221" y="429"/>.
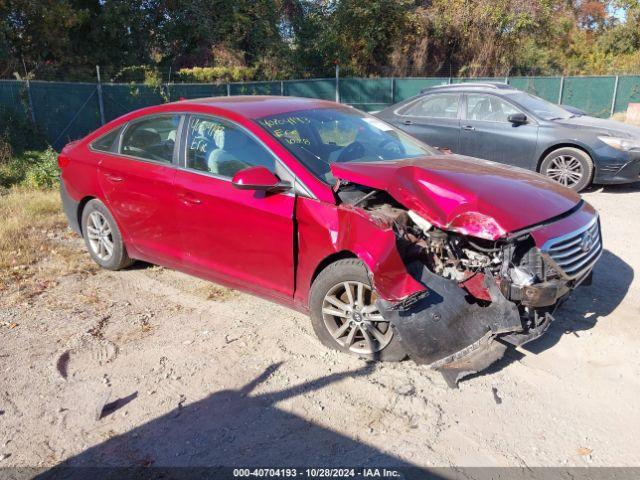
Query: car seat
<point x="482" y="110"/>
<point x="230" y="144"/>
<point x="141" y="140"/>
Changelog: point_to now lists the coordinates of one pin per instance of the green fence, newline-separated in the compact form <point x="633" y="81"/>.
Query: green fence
<point x="65" y="111"/>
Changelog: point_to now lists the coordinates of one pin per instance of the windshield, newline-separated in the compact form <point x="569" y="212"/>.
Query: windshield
<point x="541" y="108"/>
<point x="323" y="136"/>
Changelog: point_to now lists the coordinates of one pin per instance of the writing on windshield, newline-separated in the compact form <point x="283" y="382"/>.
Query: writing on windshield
<point x="319" y="137"/>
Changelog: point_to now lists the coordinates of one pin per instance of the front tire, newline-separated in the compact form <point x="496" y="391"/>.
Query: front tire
<point x="102" y="237"/>
<point x="344" y="315"/>
<point x="568" y="166"/>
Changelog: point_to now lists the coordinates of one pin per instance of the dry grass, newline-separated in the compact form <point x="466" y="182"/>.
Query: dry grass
<point x="36" y="248"/>
<point x="622" y="117"/>
<point x="216" y="293"/>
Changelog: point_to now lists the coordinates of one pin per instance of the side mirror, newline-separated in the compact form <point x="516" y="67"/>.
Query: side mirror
<point x="517" y="118"/>
<point x="258" y="178"/>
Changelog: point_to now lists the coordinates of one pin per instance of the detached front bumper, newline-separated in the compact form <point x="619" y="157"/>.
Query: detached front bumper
<point x="442" y="329"/>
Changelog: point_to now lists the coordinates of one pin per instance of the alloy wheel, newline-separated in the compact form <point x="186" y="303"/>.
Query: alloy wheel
<point x="567" y="170"/>
<point x="99" y="235"/>
<point x="353" y="320"/>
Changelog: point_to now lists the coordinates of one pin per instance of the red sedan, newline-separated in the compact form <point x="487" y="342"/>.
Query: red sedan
<point x="393" y="248"/>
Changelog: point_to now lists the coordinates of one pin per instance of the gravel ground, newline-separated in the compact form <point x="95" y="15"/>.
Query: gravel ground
<point x="151" y="367"/>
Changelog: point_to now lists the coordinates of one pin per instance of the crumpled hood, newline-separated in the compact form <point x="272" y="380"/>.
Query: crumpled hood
<point x="449" y="190"/>
<point x="602" y="125"/>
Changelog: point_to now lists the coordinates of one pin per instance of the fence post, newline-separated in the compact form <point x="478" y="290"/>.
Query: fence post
<point x="281" y="88"/>
<point x="99" y="88"/>
<point x="228" y="89"/>
<point x="169" y="85"/>
<point x="615" y="96"/>
<point x="561" y="90"/>
<point x="393" y="90"/>
<point x="337" y="83"/>
<point x="32" y="113"/>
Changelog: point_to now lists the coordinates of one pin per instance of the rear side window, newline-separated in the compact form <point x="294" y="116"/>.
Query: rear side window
<point x="152" y="139"/>
<point x="434" y="106"/>
<point x="106" y="143"/>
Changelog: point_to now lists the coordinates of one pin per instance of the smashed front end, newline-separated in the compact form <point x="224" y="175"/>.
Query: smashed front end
<point x="484" y="288"/>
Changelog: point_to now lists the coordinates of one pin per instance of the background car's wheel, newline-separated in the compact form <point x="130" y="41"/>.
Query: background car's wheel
<point x="344" y="315"/>
<point x="568" y="166"/>
<point x="102" y="237"/>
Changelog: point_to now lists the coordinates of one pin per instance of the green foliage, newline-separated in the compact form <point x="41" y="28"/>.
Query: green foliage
<point x="17" y="133"/>
<point x="42" y="170"/>
<point x="231" y="40"/>
<point x="216" y="74"/>
<point x="34" y="169"/>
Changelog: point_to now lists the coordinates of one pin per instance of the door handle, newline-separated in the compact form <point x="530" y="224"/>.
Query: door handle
<point x="187" y="200"/>
<point x="112" y="178"/>
<point x="469" y="128"/>
<point x="407" y="122"/>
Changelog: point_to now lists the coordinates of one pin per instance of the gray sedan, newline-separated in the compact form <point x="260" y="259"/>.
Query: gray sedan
<point x="500" y="123"/>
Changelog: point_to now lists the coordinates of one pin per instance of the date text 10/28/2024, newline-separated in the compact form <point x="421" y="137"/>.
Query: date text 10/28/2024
<point x="316" y="472"/>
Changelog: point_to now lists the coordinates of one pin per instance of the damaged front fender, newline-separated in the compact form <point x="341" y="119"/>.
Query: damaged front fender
<point x="443" y="329"/>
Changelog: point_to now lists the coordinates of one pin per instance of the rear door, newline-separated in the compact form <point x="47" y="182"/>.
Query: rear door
<point x="240" y="237"/>
<point x="486" y="132"/>
<point x="434" y="119"/>
<point x="137" y="181"/>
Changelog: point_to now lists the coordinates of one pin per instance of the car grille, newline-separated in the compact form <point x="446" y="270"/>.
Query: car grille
<point x="576" y="252"/>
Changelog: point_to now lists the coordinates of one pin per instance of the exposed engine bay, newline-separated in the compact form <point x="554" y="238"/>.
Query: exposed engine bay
<point x="480" y="295"/>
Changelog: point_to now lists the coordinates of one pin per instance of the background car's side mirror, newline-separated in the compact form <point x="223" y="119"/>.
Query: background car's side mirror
<point x="258" y="178"/>
<point x="517" y="118"/>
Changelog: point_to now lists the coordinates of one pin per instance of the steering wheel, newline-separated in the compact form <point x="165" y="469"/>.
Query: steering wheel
<point x="351" y="152"/>
<point x="392" y="145"/>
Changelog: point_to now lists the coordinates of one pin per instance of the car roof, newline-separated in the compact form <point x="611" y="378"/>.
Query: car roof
<point x="475" y="86"/>
<point x="258" y="106"/>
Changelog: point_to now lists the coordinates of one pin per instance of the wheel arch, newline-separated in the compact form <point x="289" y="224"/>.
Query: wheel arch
<point x="83" y="203"/>
<point x="328" y="260"/>
<point x="568" y="144"/>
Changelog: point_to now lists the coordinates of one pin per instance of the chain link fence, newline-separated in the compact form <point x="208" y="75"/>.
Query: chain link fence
<point x="64" y="111"/>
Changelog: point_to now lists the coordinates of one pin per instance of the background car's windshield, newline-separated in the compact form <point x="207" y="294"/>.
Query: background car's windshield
<point x="541" y="108"/>
<point x="319" y="137"/>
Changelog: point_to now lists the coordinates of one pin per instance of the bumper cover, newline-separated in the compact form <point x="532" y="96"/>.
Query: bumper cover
<point x="623" y="170"/>
<point x="70" y="207"/>
<point x="442" y="329"/>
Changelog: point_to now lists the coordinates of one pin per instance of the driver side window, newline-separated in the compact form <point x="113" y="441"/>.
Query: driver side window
<point x="488" y="108"/>
<point x="223" y="149"/>
<point x="151" y="139"/>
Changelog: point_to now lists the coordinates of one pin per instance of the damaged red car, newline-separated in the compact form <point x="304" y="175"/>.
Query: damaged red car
<point x="393" y="248"/>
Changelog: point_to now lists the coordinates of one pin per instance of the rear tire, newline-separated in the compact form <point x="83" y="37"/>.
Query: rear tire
<point x="568" y="166"/>
<point x="348" y="321"/>
<point x="102" y="237"/>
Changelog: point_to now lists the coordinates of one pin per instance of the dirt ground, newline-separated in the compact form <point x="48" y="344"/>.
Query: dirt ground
<point x="151" y="367"/>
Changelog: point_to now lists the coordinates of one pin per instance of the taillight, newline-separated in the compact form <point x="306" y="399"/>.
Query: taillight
<point x="63" y="161"/>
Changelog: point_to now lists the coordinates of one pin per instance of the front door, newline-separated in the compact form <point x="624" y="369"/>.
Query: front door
<point x="137" y="181"/>
<point x="486" y="132"/>
<point x="243" y="238"/>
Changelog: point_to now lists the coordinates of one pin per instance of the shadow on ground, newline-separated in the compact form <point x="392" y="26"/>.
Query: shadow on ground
<point x="237" y="428"/>
<point x="622" y="188"/>
<point x="612" y="278"/>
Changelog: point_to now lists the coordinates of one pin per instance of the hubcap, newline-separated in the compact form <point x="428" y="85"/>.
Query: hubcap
<point x="353" y="320"/>
<point x="99" y="235"/>
<point x="566" y="170"/>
